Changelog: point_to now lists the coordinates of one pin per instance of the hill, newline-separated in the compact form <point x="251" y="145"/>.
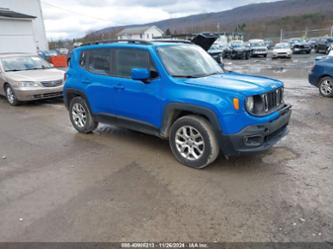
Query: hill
<point x="256" y="20"/>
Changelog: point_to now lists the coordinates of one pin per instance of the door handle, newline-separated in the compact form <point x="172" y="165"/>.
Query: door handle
<point x="86" y="81"/>
<point x="119" y="87"/>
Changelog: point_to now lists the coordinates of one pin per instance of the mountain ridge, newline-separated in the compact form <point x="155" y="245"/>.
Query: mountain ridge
<point x="229" y="19"/>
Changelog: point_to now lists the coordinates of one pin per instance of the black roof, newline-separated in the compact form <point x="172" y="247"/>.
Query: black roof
<point x="12" y="14"/>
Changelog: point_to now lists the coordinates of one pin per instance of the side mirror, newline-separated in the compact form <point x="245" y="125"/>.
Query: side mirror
<point x="142" y="74"/>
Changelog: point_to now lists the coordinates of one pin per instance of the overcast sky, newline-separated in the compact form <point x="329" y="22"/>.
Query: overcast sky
<point x="74" y="18"/>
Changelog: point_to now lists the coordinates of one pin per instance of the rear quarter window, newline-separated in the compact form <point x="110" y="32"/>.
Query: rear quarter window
<point x="97" y="61"/>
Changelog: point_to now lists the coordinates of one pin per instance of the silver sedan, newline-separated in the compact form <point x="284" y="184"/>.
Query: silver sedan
<point x="25" y="77"/>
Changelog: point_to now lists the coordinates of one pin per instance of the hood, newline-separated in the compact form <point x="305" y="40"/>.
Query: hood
<point x="301" y="44"/>
<point x="245" y="84"/>
<point x="205" y="40"/>
<point x="281" y="50"/>
<point x="259" y="47"/>
<point x="36" y="75"/>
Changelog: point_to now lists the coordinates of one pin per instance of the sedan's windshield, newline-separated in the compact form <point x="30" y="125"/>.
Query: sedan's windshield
<point x="282" y="45"/>
<point x="258" y="44"/>
<point x="23" y="63"/>
<point x="188" y="61"/>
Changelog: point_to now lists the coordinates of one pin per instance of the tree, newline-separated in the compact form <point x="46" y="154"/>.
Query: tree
<point x="168" y="32"/>
<point x="240" y="28"/>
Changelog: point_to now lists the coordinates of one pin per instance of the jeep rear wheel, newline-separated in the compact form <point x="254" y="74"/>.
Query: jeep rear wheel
<point x="326" y="87"/>
<point x="80" y="116"/>
<point x="193" y="142"/>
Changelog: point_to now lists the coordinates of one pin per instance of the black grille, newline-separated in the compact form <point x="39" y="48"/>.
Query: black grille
<point x="48" y="95"/>
<point x="52" y="83"/>
<point x="273" y="99"/>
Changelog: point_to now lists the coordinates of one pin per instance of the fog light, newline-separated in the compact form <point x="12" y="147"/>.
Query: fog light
<point x="253" y="140"/>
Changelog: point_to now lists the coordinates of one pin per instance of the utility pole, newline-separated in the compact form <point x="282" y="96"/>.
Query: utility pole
<point x="306" y="33"/>
<point x="332" y="30"/>
<point x="281" y="35"/>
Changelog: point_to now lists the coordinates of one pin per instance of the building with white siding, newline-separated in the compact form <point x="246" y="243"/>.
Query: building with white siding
<point x="140" y="33"/>
<point x="22" y="26"/>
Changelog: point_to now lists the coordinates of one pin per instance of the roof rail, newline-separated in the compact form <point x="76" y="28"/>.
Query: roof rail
<point x="172" y="41"/>
<point x="142" y="42"/>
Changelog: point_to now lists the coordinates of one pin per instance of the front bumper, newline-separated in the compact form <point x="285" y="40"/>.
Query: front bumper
<point x="257" y="138"/>
<point x="32" y="93"/>
<point x="281" y="55"/>
<point x="313" y="79"/>
<point x="258" y="52"/>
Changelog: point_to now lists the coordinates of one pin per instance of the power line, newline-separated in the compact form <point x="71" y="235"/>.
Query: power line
<point x="71" y="11"/>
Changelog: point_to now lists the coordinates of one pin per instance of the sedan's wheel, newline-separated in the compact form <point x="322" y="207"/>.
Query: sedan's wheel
<point x="193" y="142"/>
<point x="81" y="117"/>
<point x="326" y="87"/>
<point x="10" y="95"/>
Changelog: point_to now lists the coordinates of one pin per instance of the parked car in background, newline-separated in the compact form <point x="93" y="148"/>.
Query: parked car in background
<point x="208" y="42"/>
<point x="175" y="91"/>
<point x="216" y="51"/>
<point x="269" y="44"/>
<point x="238" y="50"/>
<point x="313" y="42"/>
<point x="324" y="45"/>
<point x="300" y="46"/>
<point x="25" y="77"/>
<point x="47" y="54"/>
<point x="282" y="50"/>
<point x="62" y="51"/>
<point x="321" y="76"/>
<point x="258" y="48"/>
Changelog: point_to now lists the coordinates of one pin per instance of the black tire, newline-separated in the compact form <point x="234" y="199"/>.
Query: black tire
<point x="81" y="117"/>
<point x="324" y="85"/>
<point x="11" y="96"/>
<point x="208" y="150"/>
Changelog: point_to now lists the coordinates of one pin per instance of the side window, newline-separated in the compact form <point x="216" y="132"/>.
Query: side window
<point x="97" y="61"/>
<point x="127" y="59"/>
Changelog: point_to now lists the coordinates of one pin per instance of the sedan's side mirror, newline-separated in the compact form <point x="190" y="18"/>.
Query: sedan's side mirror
<point x="142" y="74"/>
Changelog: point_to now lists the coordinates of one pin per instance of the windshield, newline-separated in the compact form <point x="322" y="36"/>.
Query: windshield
<point x="188" y="61"/>
<point x="23" y="63"/>
<point x="258" y="44"/>
<point x="282" y="45"/>
<point x="236" y="44"/>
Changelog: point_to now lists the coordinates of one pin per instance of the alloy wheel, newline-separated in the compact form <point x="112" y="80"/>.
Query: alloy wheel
<point x="10" y="95"/>
<point x="190" y="143"/>
<point x="326" y="87"/>
<point x="79" y="115"/>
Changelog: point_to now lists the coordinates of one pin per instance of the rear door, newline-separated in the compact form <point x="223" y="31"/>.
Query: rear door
<point x="96" y="78"/>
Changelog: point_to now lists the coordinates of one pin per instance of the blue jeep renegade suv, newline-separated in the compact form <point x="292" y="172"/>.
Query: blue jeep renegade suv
<point x="178" y="92"/>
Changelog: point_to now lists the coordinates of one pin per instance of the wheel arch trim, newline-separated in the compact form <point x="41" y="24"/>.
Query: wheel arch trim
<point x="172" y="109"/>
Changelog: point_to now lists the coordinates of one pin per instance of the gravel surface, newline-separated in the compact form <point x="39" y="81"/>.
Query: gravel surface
<point x="119" y="185"/>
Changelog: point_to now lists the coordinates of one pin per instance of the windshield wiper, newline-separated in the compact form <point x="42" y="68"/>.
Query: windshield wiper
<point x="13" y="70"/>
<point x="185" y="76"/>
<point x="35" y="68"/>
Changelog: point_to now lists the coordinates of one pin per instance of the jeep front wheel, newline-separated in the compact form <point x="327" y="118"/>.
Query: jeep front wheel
<point x="80" y="116"/>
<point x="193" y="142"/>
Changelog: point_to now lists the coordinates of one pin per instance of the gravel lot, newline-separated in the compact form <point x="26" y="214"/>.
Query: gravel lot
<point x="119" y="185"/>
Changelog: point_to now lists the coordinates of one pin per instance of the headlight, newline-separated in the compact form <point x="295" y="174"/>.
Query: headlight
<point x="29" y="84"/>
<point x="250" y="104"/>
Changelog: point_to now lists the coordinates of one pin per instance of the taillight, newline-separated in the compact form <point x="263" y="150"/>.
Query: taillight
<point x="65" y="76"/>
